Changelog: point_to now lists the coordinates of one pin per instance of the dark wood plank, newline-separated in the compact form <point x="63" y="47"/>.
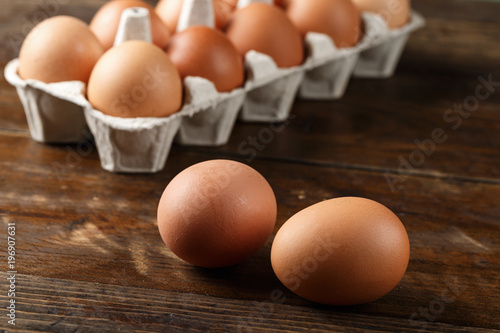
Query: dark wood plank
<point x="453" y="48"/>
<point x="108" y="308"/>
<point x="374" y="130"/>
<point x="453" y="10"/>
<point x="104" y="226"/>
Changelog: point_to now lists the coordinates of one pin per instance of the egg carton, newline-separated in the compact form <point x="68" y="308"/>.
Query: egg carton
<point x="211" y="122"/>
<point x="271" y="90"/>
<point x="324" y="75"/>
<point x="60" y="112"/>
<point x="384" y="50"/>
<point x="142" y="144"/>
<point x="54" y="111"/>
<point x="328" y="68"/>
<point x="209" y="125"/>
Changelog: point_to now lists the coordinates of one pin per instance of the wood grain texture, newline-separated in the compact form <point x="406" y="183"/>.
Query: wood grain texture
<point x="107" y="233"/>
<point x="122" y="308"/>
<point x="90" y="258"/>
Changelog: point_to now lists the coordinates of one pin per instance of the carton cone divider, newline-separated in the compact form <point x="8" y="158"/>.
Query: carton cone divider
<point x="196" y="12"/>
<point x="244" y="3"/>
<point x="135" y="24"/>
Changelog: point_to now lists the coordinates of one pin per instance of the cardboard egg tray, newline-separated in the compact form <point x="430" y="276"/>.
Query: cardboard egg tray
<point x="384" y="48"/>
<point x="60" y="112"/>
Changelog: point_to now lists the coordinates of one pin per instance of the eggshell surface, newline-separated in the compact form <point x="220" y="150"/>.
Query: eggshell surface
<point x="206" y="52"/>
<point x="343" y="251"/>
<point x="216" y="213"/>
<point x="135" y="79"/>
<point x="169" y="11"/>
<point x="61" y="48"/>
<point x="395" y="12"/>
<point x="266" y="29"/>
<point x="339" y="19"/>
<point x="105" y="22"/>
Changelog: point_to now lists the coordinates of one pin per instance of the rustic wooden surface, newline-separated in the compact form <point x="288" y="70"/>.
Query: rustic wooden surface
<point x="90" y="258"/>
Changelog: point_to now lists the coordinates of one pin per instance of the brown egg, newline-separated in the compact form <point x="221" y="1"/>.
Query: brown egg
<point x="61" y="48"/>
<point x="266" y="29"/>
<point x="343" y="251"/>
<point x="216" y="213"/>
<point x="223" y="10"/>
<point x="106" y="21"/>
<point x="208" y="53"/>
<point x="281" y="3"/>
<point x="135" y="79"/>
<point x="395" y="12"/>
<point x="169" y="11"/>
<point x="339" y="19"/>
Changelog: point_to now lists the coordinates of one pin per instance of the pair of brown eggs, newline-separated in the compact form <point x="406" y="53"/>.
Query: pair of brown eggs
<point x="342" y="251"/>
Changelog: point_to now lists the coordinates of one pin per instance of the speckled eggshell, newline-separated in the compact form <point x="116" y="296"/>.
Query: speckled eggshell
<point x="216" y="213"/>
<point x="106" y="21"/>
<point x="395" y="12"/>
<point x="135" y="79"/>
<point x="206" y="52"/>
<point x="339" y="19"/>
<point x="61" y="48"/>
<point x="266" y="29"/>
<point x="343" y="251"/>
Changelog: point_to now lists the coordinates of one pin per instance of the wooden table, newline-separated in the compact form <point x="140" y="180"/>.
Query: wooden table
<point x="89" y="257"/>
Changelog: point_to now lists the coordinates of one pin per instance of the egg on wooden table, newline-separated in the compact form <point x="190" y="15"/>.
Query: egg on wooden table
<point x="216" y="213"/>
<point x="61" y="48"/>
<point x="343" y="251"/>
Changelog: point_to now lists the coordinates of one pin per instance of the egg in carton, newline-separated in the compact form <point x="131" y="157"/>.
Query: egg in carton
<point x="212" y="124"/>
<point x="54" y="111"/>
<point x="328" y="69"/>
<point x="270" y="90"/>
<point x="143" y="144"/>
<point x="384" y="51"/>
<point x="324" y="75"/>
<point x="133" y="144"/>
